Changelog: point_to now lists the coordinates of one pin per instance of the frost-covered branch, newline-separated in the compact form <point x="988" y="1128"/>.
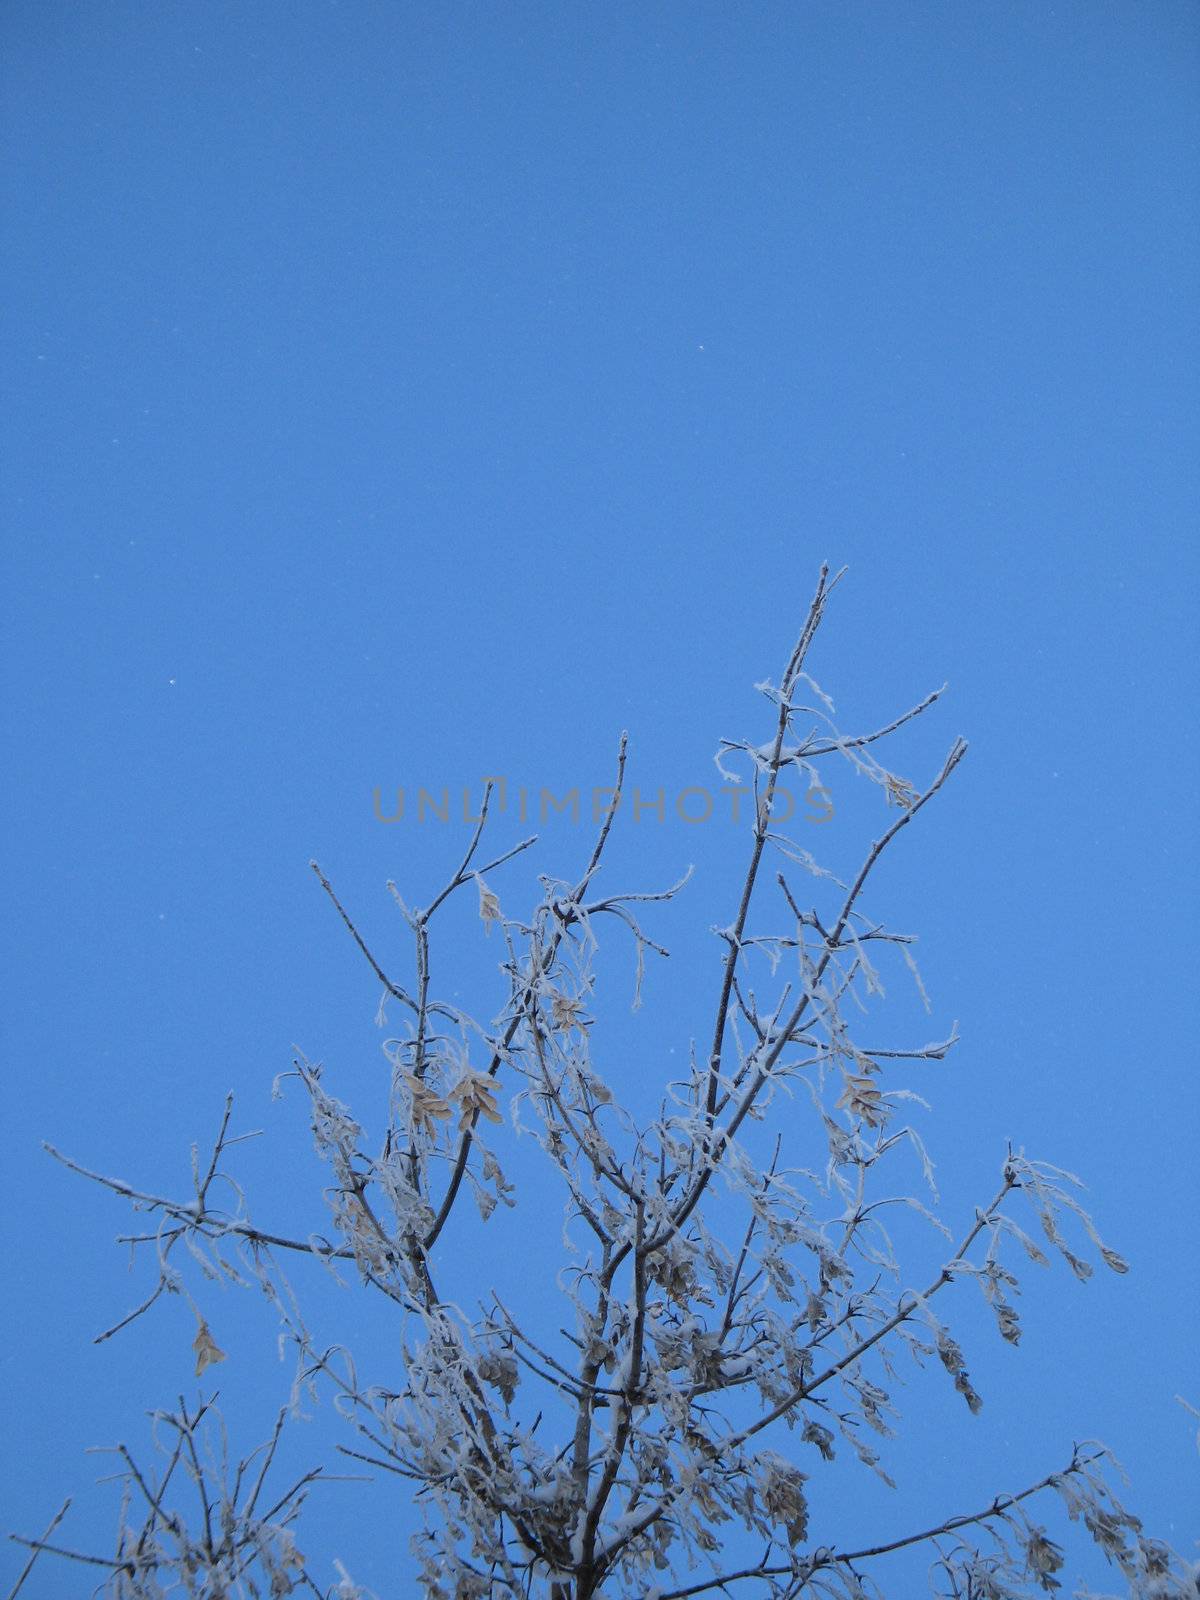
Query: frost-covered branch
<point x="713" y="1334"/>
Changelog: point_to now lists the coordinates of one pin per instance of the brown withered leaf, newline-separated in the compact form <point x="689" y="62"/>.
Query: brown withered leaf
<point x="499" y="1371"/>
<point x="900" y="792"/>
<point x="428" y="1108"/>
<point x="567" y="1012"/>
<point x="862" y="1099"/>
<point x="1043" y="1558"/>
<point x="489" y="906"/>
<point x="475" y="1092"/>
<point x="207" y="1351"/>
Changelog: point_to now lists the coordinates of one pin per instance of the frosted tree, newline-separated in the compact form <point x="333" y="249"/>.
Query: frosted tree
<point x="735" y="1317"/>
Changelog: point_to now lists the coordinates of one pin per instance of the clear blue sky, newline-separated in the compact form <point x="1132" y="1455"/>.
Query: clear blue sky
<point x="399" y="393"/>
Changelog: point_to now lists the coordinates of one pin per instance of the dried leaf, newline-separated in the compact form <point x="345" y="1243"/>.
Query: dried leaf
<point x="1010" y="1326"/>
<point x="862" y="1099"/>
<point x="489" y="906"/>
<point x="499" y="1371"/>
<point x="965" y="1387"/>
<point x="567" y="1012"/>
<point x="822" y="1437"/>
<point x="207" y="1351"/>
<point x="475" y="1093"/>
<point x="427" y="1106"/>
<point x="1042" y="1558"/>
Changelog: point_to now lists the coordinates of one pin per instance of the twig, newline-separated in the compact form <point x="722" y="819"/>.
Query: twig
<point x="38" y="1546"/>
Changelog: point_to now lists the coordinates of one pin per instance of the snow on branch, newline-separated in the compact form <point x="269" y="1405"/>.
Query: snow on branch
<point x="722" y="1341"/>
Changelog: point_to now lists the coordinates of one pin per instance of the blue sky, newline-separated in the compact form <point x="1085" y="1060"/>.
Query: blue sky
<point x="407" y="393"/>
